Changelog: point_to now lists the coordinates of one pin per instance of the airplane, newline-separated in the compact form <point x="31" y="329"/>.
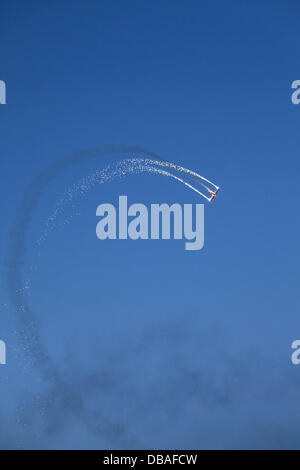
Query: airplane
<point x="200" y="180"/>
<point x="213" y="193"/>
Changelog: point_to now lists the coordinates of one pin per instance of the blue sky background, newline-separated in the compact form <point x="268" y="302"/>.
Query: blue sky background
<point x="154" y="346"/>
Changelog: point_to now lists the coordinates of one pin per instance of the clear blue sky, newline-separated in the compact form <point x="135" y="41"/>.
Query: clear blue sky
<point x="154" y="346"/>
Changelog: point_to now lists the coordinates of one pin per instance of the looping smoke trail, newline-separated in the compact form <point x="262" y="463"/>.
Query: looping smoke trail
<point x="29" y="325"/>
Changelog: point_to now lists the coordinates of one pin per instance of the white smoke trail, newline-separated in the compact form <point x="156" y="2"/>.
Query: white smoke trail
<point x="119" y="170"/>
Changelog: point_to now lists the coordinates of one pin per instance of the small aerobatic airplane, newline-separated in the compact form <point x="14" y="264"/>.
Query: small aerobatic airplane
<point x="213" y="193"/>
<point x="210" y="187"/>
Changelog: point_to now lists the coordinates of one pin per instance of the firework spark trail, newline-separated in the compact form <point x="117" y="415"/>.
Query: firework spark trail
<point x="62" y="393"/>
